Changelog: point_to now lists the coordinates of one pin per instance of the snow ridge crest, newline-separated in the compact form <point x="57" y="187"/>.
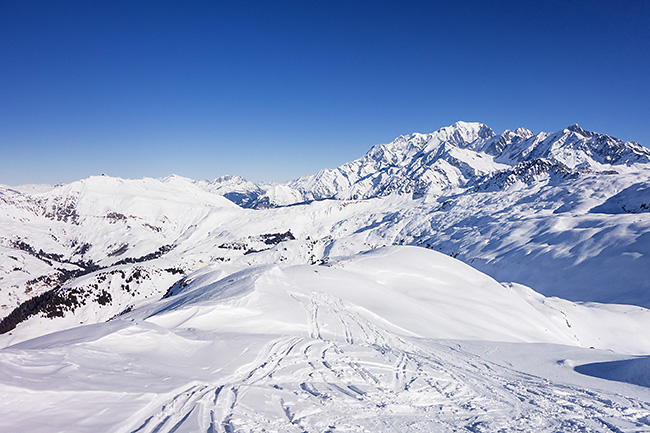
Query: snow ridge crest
<point x="462" y="155"/>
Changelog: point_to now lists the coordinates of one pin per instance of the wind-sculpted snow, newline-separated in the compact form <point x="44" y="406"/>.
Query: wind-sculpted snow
<point x="444" y="298"/>
<point x="349" y="346"/>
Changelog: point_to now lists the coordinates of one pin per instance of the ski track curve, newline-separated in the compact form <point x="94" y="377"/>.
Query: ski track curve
<point x="367" y="379"/>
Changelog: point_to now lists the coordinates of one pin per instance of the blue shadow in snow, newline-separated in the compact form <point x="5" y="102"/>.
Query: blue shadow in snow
<point x="635" y="371"/>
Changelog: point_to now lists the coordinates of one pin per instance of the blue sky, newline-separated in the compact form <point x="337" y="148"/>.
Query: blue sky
<point x="274" y="90"/>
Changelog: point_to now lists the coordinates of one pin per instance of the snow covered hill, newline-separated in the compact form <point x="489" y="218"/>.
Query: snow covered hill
<point x="184" y="305"/>
<point x="71" y="230"/>
<point x="353" y="345"/>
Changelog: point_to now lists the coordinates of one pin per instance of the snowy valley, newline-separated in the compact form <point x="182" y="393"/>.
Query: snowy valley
<point x="461" y="280"/>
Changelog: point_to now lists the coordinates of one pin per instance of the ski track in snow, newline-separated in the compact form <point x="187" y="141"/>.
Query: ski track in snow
<point x="372" y="380"/>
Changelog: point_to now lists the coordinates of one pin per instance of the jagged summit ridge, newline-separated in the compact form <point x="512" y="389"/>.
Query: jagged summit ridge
<point x="573" y="147"/>
<point x="454" y="157"/>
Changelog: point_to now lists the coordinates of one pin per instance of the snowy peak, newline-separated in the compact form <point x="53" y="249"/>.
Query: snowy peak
<point x="406" y="165"/>
<point x="448" y="160"/>
<point x="461" y="134"/>
<point x="572" y="147"/>
<point x="399" y="151"/>
<point x="576" y="128"/>
<point x="507" y="139"/>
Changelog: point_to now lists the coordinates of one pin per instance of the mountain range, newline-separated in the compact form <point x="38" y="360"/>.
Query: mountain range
<point x="372" y="285"/>
<point x="459" y="156"/>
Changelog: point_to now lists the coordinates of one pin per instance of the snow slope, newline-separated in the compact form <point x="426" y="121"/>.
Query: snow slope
<point x="69" y="230"/>
<point x="335" y="302"/>
<point x="349" y="346"/>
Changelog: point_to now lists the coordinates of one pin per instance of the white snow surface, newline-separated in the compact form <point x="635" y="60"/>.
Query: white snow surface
<point x="391" y="293"/>
<point x="354" y="345"/>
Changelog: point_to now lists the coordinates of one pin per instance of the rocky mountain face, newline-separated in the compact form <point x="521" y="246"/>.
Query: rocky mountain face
<point x="455" y="157"/>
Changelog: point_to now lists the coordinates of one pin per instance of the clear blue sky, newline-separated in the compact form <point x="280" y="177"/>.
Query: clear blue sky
<point x="273" y="90"/>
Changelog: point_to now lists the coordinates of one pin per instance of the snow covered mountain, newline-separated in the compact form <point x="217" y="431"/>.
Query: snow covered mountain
<point x="187" y="305"/>
<point x="559" y="212"/>
<point x="460" y="155"/>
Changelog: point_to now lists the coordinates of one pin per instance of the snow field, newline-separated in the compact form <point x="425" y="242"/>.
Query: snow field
<point x="353" y="346"/>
